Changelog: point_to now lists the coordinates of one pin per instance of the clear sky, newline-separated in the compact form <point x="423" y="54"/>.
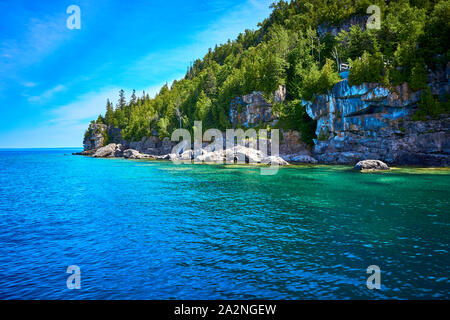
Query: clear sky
<point x="54" y="80"/>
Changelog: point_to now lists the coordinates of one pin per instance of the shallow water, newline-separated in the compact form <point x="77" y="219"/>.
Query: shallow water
<point x="155" y="230"/>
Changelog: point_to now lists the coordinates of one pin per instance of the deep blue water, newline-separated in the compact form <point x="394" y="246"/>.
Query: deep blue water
<point x="155" y="230"/>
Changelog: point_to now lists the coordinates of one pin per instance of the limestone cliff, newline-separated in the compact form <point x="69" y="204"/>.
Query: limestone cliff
<point x="94" y="137"/>
<point x="370" y="121"/>
<point x="358" y="20"/>
<point x="253" y="109"/>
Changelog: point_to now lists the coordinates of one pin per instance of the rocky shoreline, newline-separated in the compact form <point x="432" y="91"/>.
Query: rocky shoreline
<point x="354" y="123"/>
<point x="206" y="155"/>
<point x="237" y="154"/>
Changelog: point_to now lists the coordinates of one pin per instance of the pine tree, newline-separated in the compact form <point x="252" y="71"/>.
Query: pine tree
<point x="122" y="102"/>
<point x="211" y="83"/>
<point x="109" y="115"/>
<point x="133" y="98"/>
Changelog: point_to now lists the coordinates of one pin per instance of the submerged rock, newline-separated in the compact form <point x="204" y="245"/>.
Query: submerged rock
<point x="373" y="165"/>
<point x="84" y="153"/>
<point x="300" y="158"/>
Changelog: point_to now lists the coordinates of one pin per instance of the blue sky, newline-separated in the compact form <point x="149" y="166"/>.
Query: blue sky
<point x="54" y="80"/>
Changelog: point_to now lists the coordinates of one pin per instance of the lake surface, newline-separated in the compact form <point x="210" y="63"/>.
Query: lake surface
<point x="156" y="230"/>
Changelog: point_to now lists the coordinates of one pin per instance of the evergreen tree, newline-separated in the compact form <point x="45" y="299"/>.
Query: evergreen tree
<point x="133" y="99"/>
<point x="211" y="83"/>
<point x="100" y="119"/>
<point x="109" y="115"/>
<point x="122" y="102"/>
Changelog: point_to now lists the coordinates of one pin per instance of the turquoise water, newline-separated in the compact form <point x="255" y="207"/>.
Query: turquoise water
<point x="155" y="230"/>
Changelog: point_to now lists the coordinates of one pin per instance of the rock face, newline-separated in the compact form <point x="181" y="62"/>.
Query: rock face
<point x="94" y="137"/>
<point x="146" y="145"/>
<point x="253" y="108"/>
<point x="438" y="81"/>
<point x="115" y="135"/>
<point x="152" y="146"/>
<point x="374" y="165"/>
<point x="293" y="149"/>
<point x="166" y="146"/>
<point x="291" y="142"/>
<point x="96" y="133"/>
<point x="370" y="121"/>
<point x="280" y="94"/>
<point x="346" y="25"/>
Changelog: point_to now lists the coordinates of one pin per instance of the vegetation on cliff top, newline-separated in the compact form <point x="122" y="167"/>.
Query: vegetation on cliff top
<point x="287" y="49"/>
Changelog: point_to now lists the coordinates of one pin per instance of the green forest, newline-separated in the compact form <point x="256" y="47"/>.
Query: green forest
<point x="287" y="49"/>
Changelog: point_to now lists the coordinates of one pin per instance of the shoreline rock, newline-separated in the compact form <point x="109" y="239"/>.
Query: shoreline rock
<point x="134" y="154"/>
<point x="371" y="165"/>
<point x="109" y="151"/>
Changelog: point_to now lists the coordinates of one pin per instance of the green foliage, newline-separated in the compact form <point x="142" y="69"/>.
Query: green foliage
<point x="138" y="128"/>
<point x="418" y="78"/>
<point x="109" y="115"/>
<point x="87" y="133"/>
<point x="324" y="135"/>
<point x="435" y="39"/>
<point x="163" y="128"/>
<point x="368" y="68"/>
<point x="203" y="110"/>
<point x="353" y="44"/>
<point x="318" y="82"/>
<point x="430" y="106"/>
<point x="100" y="120"/>
<point x="292" y="115"/>
<point x="106" y="138"/>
